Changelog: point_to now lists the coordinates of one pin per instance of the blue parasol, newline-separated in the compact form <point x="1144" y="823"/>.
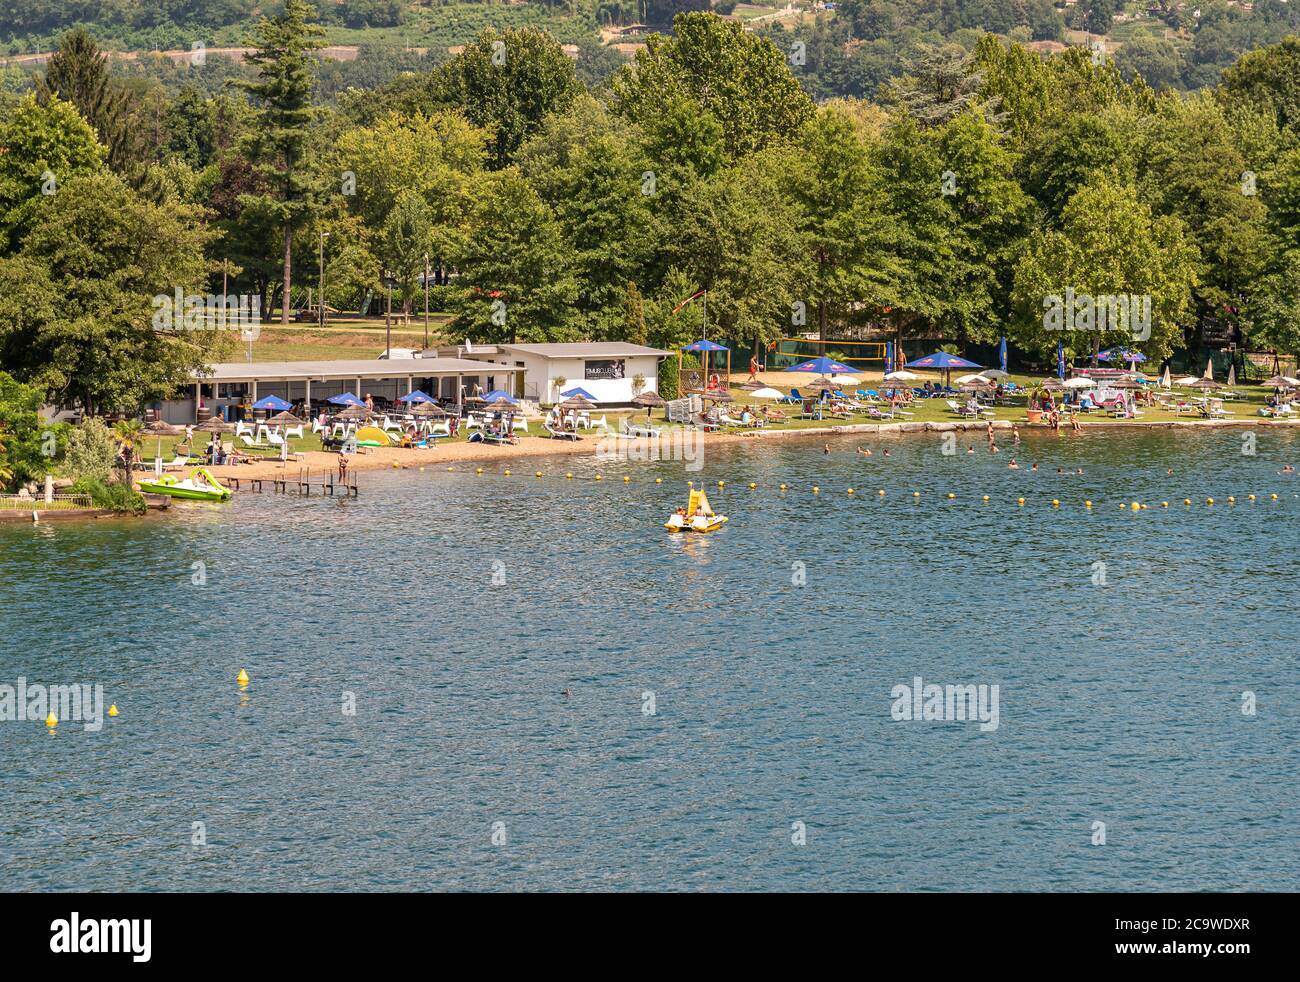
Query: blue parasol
<point x="272" y="402"/>
<point x="344" y="399"/>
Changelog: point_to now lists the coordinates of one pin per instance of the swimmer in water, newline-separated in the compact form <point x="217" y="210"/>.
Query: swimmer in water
<point x="1034" y="466"/>
<point x="826" y="449"/>
<point x="886" y="453"/>
<point x="970" y="450"/>
<point x="1288" y="469"/>
<point x="865" y="452"/>
<point x="1013" y="466"/>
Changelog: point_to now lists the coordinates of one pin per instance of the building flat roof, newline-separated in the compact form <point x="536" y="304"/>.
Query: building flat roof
<point x="281" y="371"/>
<point x="585" y="349"/>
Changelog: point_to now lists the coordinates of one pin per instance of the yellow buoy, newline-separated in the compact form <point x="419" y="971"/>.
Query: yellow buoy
<point x="421" y="470"/>
<point x="569" y="475"/>
<point x="626" y="479"/>
<point x="782" y="487"/>
<point x="1164" y="504"/>
<point x="985" y="498"/>
<point x="1123" y="507"/>
<point x="599" y="478"/>
<point x="112" y="710"/>
<point x="1273" y="496"/>
<point x="1136" y="506"/>
<point x="881" y="492"/>
<point x="449" y="468"/>
<point x="850" y="491"/>
<point x="242" y="677"/>
<point x="478" y="470"/>
<point x="539" y="473"/>
<point x="1087" y="504"/>
<point x="396" y="465"/>
<point x="816" y="489"/>
<point x="659" y="480"/>
<point x="1187" y="501"/>
<point x="1250" y="497"/>
<point x="1020" y="501"/>
<point x="722" y="484"/>
<point x="507" y="472"/>
<point x="915" y="494"/>
<point x="1209" y="501"/>
<point x="1056" y="503"/>
<point x="752" y="485"/>
<point x="1231" y="500"/>
<point x="51" y="721"/>
<point x="951" y="495"/>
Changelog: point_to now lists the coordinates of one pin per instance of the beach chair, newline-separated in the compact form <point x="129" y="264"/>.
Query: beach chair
<point x="521" y="424"/>
<point x="243" y="429"/>
<point x="294" y="431"/>
<point x="560" y="434"/>
<point x="638" y="429"/>
<point x="965" y="412"/>
<point x="797" y="395"/>
<point x="875" y="412"/>
<point x="179" y="462"/>
<point x="473" y="422"/>
<point x="598" y="424"/>
<point x="390" y="424"/>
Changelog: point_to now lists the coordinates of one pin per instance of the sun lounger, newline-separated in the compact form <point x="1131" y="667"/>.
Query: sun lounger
<point x="639" y="429"/>
<point x="560" y="434"/>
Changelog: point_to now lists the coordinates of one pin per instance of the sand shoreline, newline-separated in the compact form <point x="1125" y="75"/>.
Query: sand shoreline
<point x="316" y="464"/>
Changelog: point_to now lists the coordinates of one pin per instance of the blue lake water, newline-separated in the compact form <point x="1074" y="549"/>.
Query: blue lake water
<point x="1120" y="702"/>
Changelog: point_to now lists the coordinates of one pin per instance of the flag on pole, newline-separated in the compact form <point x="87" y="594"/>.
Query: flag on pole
<point x="1060" y="360"/>
<point x="694" y="296"/>
<point x="889" y="357"/>
<point x="1002" y="355"/>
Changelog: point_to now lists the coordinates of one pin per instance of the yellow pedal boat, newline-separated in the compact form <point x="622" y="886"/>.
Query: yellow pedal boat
<point x="699" y="517"/>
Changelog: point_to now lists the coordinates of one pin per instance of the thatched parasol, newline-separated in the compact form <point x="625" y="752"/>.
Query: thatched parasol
<point x="163" y="429"/>
<point x="214" y="424"/>
<point x="578" y="404"/>
<point x="504" y="403"/>
<point x="354" y="413"/>
<point x="1204" y="383"/>
<point x="648" y="400"/>
<point x="428" y="409"/>
<point x="285" y="419"/>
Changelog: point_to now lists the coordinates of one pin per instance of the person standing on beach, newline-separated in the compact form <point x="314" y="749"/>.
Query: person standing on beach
<point x="753" y="368"/>
<point x="343" y="467"/>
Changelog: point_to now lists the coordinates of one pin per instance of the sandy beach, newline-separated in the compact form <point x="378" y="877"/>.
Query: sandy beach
<point x="317" y="463"/>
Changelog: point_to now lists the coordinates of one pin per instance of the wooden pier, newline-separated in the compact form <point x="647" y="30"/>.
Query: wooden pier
<point x="326" y="484"/>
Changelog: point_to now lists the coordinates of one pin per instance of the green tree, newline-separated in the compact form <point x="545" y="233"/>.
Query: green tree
<point x="841" y="192"/>
<point x="41" y="146"/>
<point x="78" y="72"/>
<point x="507" y="82"/>
<point x="404" y="243"/>
<point x="1107" y="243"/>
<point x="516" y="278"/>
<point x="284" y="89"/>
<point x="105" y="252"/>
<point x="715" y="67"/>
<point x="22" y="433"/>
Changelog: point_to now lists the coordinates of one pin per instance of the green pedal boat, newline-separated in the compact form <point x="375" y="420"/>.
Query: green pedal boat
<point x="199" y="486"/>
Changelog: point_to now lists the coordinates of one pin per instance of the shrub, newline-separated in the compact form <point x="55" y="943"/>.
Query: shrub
<point x="92" y="451"/>
<point x="114" y="496"/>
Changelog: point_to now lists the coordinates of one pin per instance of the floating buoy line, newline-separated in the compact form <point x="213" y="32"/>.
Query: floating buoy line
<point x="816" y="490"/>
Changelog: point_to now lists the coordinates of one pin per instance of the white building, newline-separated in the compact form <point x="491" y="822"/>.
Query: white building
<point x="229" y="384"/>
<point x="609" y="370"/>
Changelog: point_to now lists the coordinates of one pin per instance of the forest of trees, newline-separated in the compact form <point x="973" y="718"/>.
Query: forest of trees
<point x="976" y="184"/>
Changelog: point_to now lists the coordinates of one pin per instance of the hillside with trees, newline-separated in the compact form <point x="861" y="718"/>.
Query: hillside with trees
<point x="972" y="185"/>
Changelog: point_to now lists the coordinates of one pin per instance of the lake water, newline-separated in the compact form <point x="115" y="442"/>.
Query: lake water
<point x="1120" y="702"/>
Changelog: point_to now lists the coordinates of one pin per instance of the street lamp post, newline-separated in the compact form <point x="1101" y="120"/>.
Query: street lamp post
<point x="426" y="300"/>
<point x="321" y="313"/>
<point x="388" y="316"/>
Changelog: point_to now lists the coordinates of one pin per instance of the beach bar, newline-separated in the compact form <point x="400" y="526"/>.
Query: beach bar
<point x="608" y="370"/>
<point x="235" y="383"/>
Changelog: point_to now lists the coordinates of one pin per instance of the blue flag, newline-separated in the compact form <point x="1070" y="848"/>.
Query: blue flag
<point x="889" y="357"/>
<point x="1002" y="355"/>
<point x="1060" y="359"/>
